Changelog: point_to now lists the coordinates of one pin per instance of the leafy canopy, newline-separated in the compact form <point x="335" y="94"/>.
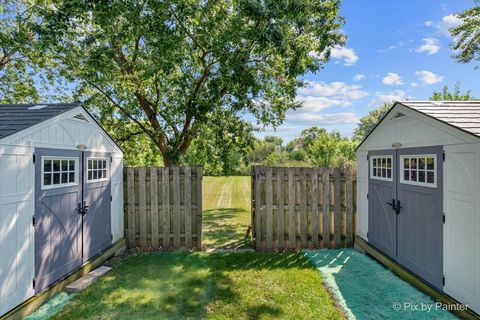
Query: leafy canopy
<point x="167" y="66"/>
<point x="467" y="35"/>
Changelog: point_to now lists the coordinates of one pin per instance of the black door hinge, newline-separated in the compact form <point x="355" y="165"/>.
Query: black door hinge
<point x="33" y="283"/>
<point x="443" y="156"/>
<point x="111" y="198"/>
<point x="443" y="280"/>
<point x="111" y="236"/>
<point x="443" y="219"/>
<point x="367" y="235"/>
<point x="33" y="221"/>
<point x="34" y="158"/>
<point x="367" y="195"/>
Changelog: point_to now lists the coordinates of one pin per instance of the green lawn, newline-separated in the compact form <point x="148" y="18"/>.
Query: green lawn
<point x="226" y="211"/>
<point x="206" y="286"/>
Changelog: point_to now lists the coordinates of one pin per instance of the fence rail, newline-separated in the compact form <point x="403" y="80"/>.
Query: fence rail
<point x="163" y="208"/>
<point x="296" y="208"/>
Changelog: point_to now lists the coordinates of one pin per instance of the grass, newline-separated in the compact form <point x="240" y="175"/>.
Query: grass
<point x="206" y="286"/>
<point x="226" y="211"/>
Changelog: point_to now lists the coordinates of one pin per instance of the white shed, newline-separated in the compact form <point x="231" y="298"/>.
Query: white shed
<point x="61" y="196"/>
<point x="418" y="193"/>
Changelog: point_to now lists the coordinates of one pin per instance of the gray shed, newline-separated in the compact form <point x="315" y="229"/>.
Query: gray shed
<point x="61" y="196"/>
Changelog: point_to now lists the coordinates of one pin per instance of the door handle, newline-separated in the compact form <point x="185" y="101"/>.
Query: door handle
<point x="392" y="204"/>
<point x="397" y="208"/>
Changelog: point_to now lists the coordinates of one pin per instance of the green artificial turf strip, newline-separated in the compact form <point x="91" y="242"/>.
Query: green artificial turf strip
<point x="226" y="211"/>
<point x="367" y="290"/>
<point x="211" y="286"/>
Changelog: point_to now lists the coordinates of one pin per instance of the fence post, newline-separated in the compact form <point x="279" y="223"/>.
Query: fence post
<point x="280" y="209"/>
<point x="154" y="205"/>
<point x="314" y="196"/>
<point x="326" y="207"/>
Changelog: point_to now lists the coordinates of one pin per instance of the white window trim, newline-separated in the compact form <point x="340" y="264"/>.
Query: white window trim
<point x="416" y="183"/>
<point x="107" y="168"/>
<point x="386" y="156"/>
<point x="61" y="185"/>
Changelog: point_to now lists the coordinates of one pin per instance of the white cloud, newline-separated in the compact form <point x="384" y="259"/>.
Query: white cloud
<point x="428" y="23"/>
<point x="315" y="104"/>
<point x="428" y="77"/>
<point x="430" y="46"/>
<point x="388" y="97"/>
<point x="392" y="79"/>
<point x="414" y="84"/>
<point x="359" y="77"/>
<point x="323" y="119"/>
<point x="337" y="90"/>
<point x="348" y="55"/>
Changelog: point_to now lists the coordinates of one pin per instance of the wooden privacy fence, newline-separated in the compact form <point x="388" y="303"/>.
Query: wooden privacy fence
<point x="163" y="208"/>
<point x="296" y="208"/>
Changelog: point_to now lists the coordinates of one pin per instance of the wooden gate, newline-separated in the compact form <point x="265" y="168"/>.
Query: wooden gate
<point x="163" y="208"/>
<point x="297" y="208"/>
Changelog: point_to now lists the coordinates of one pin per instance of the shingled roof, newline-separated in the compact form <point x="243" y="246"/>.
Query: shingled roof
<point x="464" y="115"/>
<point x="18" y="117"/>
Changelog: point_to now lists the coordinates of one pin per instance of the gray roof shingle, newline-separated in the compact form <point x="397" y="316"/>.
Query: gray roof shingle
<point x="464" y="115"/>
<point x="17" y="117"/>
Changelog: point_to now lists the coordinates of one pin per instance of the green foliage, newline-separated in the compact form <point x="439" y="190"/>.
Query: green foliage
<point x="222" y="148"/>
<point x="167" y="66"/>
<point x="331" y="150"/>
<point x="20" y="64"/>
<point x="466" y="35"/>
<point x="456" y="95"/>
<point x="368" y="122"/>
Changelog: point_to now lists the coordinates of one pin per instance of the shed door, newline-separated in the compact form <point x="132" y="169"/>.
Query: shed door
<point x="420" y="222"/>
<point x="97" y="191"/>
<point x="382" y="226"/>
<point x="58" y="223"/>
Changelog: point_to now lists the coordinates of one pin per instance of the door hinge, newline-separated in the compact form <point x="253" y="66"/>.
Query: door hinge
<point x="111" y="198"/>
<point x="367" y="195"/>
<point x="34" y="158"/>
<point x="443" y="156"/>
<point x="33" y="221"/>
<point x="111" y="236"/>
<point x="443" y="280"/>
<point x="33" y="283"/>
<point x="367" y="235"/>
<point x="367" y="158"/>
<point x="443" y="218"/>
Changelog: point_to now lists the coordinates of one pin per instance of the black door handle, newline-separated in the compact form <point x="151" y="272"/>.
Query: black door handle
<point x="392" y="204"/>
<point x="397" y="208"/>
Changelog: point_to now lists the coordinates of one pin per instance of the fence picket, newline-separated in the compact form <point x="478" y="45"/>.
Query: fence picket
<point x="176" y="207"/>
<point x="280" y="208"/>
<point x="337" y="207"/>
<point x="258" y="221"/>
<point x="314" y="196"/>
<point x="131" y="206"/>
<point x="326" y="208"/>
<point x="303" y="207"/>
<point x="349" y="208"/>
<point x="188" y="208"/>
<point x="269" y="208"/>
<point x="166" y="207"/>
<point x="292" y="242"/>
<point x="198" y="230"/>
<point x="154" y="205"/>
<point x="142" y="205"/>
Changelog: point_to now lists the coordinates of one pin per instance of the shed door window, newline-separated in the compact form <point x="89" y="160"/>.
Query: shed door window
<point x="381" y="168"/>
<point x="59" y="172"/>
<point x="97" y="169"/>
<point x="419" y="170"/>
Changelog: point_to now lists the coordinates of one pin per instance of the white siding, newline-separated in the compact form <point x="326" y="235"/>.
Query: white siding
<point x="16" y="230"/>
<point x="117" y="197"/>
<point x="362" y="190"/>
<point x="461" y="230"/>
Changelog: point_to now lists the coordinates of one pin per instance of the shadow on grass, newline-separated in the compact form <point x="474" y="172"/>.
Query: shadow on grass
<point x="184" y="286"/>
<point x="225" y="228"/>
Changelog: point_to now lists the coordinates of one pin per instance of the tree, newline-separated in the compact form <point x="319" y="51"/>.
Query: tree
<point x="331" y="150"/>
<point x="456" y="95"/>
<point x="368" y="122"/>
<point x="467" y="35"/>
<point x="166" y="66"/>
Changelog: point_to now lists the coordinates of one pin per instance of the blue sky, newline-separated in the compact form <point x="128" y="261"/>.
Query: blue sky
<point x="396" y="49"/>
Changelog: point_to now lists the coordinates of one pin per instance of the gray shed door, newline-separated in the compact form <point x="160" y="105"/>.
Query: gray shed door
<point x="406" y="209"/>
<point x="72" y="211"/>
<point x="58" y="224"/>
<point x="97" y="191"/>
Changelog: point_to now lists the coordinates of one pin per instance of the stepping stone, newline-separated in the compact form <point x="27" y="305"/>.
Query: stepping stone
<point x="87" y="280"/>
